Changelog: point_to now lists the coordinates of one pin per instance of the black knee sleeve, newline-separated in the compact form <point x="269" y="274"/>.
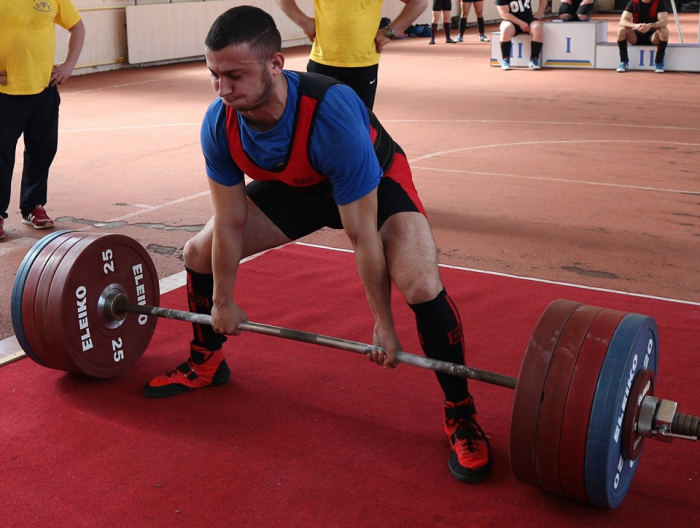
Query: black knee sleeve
<point x="441" y="337"/>
<point x="200" y="291"/>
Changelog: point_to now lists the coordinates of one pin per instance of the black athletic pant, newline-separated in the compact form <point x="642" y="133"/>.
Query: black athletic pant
<point x="363" y="79"/>
<point x="35" y="116"/>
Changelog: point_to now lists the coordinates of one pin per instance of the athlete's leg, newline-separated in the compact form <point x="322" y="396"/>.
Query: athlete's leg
<point x="411" y="258"/>
<point x="479" y="10"/>
<point x="537" y="32"/>
<point x="507" y="33"/>
<point x="446" y="25"/>
<point x="206" y="365"/>
<point x="466" y="7"/>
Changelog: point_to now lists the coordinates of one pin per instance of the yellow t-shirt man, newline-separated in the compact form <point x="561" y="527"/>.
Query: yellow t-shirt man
<point x="345" y="32"/>
<point x="28" y="41"/>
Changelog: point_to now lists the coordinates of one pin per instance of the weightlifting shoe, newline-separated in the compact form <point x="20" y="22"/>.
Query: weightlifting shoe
<point x="505" y="65"/>
<point x="659" y="67"/>
<point x="190" y="375"/>
<point x="459" y="38"/>
<point x="623" y="67"/>
<point x="534" y="64"/>
<point x="38" y="218"/>
<point x="483" y="38"/>
<point x="470" y="460"/>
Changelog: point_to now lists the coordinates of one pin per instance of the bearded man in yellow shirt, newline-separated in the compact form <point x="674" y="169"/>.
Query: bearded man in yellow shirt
<point x="29" y="98"/>
<point x="347" y="41"/>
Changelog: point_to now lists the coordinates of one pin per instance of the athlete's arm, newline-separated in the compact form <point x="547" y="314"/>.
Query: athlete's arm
<point x="360" y="223"/>
<point x="230" y="217"/>
<point x="662" y="21"/>
<point x="540" y="12"/>
<point x="626" y="20"/>
<point x="411" y="10"/>
<point x="306" y="23"/>
<point x="76" y="38"/>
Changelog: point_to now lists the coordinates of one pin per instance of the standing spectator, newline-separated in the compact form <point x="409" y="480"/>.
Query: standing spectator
<point x="346" y="40"/>
<point x="643" y="22"/>
<point x="444" y="6"/>
<point x="518" y="18"/>
<point x="29" y="97"/>
<point x="576" y="10"/>
<point x="479" y="10"/>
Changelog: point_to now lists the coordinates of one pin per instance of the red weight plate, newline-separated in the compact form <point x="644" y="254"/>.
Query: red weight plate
<point x="42" y="307"/>
<point x="533" y="372"/>
<point x="33" y="325"/>
<point x="556" y="389"/>
<point x="94" y="345"/>
<point x="631" y="441"/>
<point x="579" y="402"/>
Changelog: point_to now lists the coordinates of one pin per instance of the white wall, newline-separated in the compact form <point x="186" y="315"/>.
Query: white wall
<point x="106" y="43"/>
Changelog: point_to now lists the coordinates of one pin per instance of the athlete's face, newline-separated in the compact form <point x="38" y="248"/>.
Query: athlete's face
<point x="240" y="77"/>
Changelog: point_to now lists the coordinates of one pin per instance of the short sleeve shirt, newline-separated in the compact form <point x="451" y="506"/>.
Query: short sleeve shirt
<point x="644" y="8"/>
<point x="341" y="147"/>
<point x="28" y="41"/>
<point x="521" y="9"/>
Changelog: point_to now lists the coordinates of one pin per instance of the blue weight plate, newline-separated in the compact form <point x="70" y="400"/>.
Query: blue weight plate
<point x="633" y="347"/>
<point x="18" y="292"/>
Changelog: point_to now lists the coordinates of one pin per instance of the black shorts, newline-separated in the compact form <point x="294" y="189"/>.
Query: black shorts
<point x="300" y="211"/>
<point x="442" y="5"/>
<point x="362" y="79"/>
<point x="575" y="8"/>
<point x="644" y="39"/>
<point x="518" y="30"/>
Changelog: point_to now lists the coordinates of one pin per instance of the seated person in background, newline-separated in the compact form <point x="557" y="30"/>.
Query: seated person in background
<point x="518" y="18"/>
<point x="643" y="22"/>
<point x="576" y="10"/>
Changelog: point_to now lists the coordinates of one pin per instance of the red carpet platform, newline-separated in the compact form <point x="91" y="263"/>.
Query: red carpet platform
<point x="308" y="436"/>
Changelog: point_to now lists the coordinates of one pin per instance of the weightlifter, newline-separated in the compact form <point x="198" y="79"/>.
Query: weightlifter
<point x="318" y="158"/>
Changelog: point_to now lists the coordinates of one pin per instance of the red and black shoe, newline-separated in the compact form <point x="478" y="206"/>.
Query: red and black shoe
<point x="211" y="371"/>
<point x="470" y="460"/>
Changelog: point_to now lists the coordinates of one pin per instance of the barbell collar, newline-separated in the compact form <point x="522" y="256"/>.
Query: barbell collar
<point x="116" y="304"/>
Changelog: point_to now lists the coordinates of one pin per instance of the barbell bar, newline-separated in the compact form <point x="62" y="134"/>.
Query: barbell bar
<point x="117" y="305"/>
<point x="584" y="399"/>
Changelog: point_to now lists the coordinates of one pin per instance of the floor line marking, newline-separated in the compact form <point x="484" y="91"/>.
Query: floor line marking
<point x="525" y="122"/>
<point x="532" y="279"/>
<point x="561" y="180"/>
<point x="550" y="142"/>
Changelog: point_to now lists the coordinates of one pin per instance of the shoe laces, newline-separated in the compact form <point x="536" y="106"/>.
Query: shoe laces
<point x="468" y="431"/>
<point x="186" y="369"/>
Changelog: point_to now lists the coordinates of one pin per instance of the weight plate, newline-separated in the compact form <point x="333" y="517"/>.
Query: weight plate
<point x="579" y="401"/>
<point x="94" y="345"/>
<point x="528" y="393"/>
<point x="33" y="325"/>
<point x="18" y="291"/>
<point x="634" y="347"/>
<point x="556" y="389"/>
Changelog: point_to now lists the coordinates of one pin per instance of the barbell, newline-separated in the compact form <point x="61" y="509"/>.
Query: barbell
<point x="584" y="399"/>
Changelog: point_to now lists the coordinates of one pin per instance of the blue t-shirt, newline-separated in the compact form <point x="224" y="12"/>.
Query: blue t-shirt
<point x="341" y="147"/>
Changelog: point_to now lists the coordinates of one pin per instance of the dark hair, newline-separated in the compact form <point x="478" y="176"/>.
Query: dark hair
<point x="245" y="25"/>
